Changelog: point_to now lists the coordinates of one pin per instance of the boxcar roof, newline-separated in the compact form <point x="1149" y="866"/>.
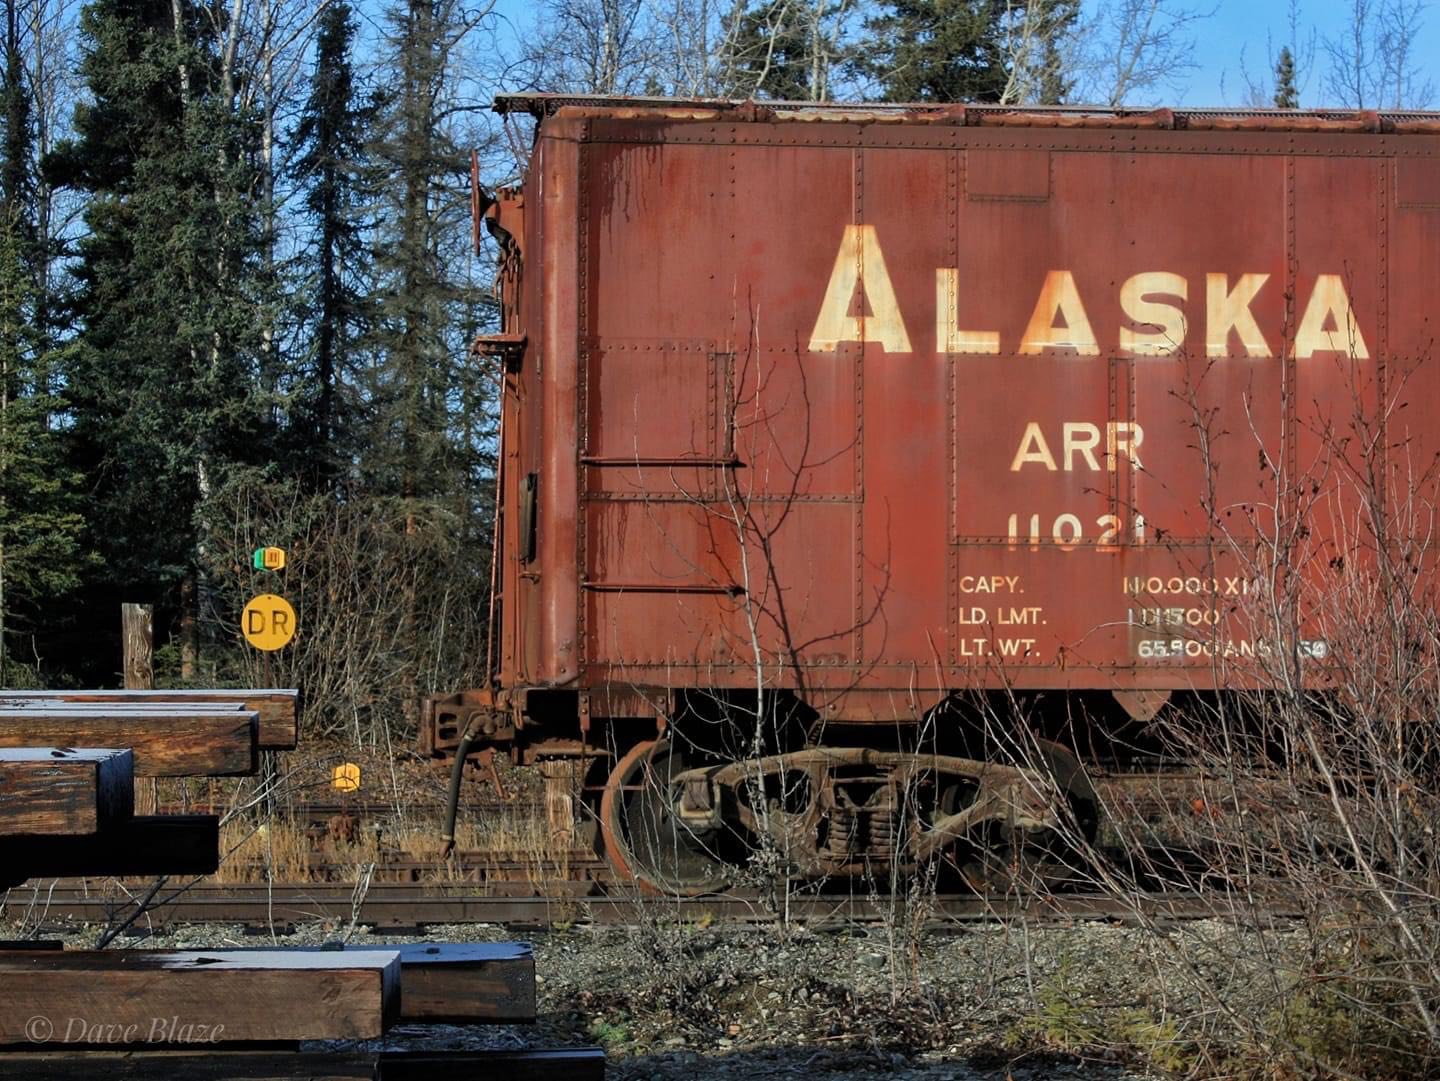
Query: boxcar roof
<point x="1060" y="116"/>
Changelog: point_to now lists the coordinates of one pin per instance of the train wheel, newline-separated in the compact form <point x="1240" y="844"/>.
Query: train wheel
<point x="1003" y="862"/>
<point x="645" y="841"/>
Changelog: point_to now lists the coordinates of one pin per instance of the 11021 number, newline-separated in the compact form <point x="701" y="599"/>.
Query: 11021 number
<point x="1067" y="531"/>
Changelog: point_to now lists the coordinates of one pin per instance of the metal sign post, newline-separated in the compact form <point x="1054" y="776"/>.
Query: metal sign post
<point x="268" y="623"/>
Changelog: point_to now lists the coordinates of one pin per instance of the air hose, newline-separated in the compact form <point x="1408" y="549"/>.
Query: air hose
<point x="457" y="773"/>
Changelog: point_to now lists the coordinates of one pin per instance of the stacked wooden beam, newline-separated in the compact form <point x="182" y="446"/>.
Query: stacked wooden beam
<point x="278" y="709"/>
<point x="64" y="792"/>
<point x="66" y="1014"/>
<point x="69" y="760"/>
<point x="140" y="997"/>
<point x="240" y="1015"/>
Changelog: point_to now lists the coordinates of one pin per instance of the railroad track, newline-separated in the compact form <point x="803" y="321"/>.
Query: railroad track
<point x="403" y="906"/>
<point x="500" y="872"/>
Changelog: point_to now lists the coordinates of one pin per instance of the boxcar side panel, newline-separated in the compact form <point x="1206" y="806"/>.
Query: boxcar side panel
<point x="920" y="405"/>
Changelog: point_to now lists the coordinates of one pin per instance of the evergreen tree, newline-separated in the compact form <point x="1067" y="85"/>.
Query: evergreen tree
<point x="419" y="448"/>
<point x="420" y="300"/>
<point x="162" y="391"/>
<point x="40" y="525"/>
<point x="937" y="50"/>
<point x="1287" y="95"/>
<point x="332" y="136"/>
<point x="40" y="553"/>
<point x="768" y="53"/>
<point x="17" y="169"/>
<point x="1055" y="20"/>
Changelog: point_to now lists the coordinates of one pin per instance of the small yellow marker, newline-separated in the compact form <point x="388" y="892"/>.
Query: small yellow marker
<point x="346" y="777"/>
<point x="268" y="559"/>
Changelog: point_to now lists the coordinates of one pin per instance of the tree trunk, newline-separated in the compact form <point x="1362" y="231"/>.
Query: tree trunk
<point x="189" y="638"/>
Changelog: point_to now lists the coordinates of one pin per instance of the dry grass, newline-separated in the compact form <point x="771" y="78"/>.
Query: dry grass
<point x="284" y="849"/>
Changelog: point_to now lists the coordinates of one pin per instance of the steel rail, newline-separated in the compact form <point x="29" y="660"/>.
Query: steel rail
<point x="390" y="906"/>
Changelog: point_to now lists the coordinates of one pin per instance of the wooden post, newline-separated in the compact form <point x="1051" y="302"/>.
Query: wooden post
<point x="137" y="632"/>
<point x="562" y="781"/>
<point x="137" y="624"/>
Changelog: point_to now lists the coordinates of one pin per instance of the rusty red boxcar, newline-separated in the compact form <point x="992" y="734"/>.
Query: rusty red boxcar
<point x="826" y="416"/>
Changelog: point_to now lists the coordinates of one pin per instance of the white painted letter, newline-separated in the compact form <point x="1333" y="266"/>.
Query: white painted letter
<point x="1169" y="318"/>
<point x="860" y="261"/>
<point x="1122" y="436"/>
<point x="1073" y="432"/>
<point x="1329" y="303"/>
<point x="1058" y="296"/>
<point x="1227" y="309"/>
<point x="949" y="338"/>
<point x="1033" y="448"/>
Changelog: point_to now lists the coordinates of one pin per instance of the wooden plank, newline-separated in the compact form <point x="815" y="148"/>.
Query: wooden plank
<point x="31" y="944"/>
<point x="54" y="705"/>
<point x="163" y="845"/>
<point x="66" y="1064"/>
<point x="279" y="707"/>
<point x="165" y="744"/>
<point x="45" y="790"/>
<point x="160" y="997"/>
<point x="464" y="982"/>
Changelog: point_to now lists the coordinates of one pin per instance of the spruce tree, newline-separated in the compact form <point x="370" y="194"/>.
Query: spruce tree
<point x="1054" y="21"/>
<point x="162" y="392"/>
<point x="1287" y="95"/>
<point x="17" y="169"/>
<point x="937" y="50"/>
<point x="767" y="54"/>
<point x="40" y="527"/>
<point x="419" y="450"/>
<point x="423" y="210"/>
<point x="41" y="558"/>
<point x="331" y="137"/>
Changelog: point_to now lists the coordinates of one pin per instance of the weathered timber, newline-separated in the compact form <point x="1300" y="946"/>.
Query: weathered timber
<point x="279" y="708"/>
<point x="162" y="997"/>
<point x="465" y="982"/>
<point x="137" y="634"/>
<point x="48" y="790"/>
<point x="31" y="944"/>
<point x="165" y="744"/>
<point x="164" y="845"/>
<point x="9" y="705"/>
<point x="468" y="982"/>
<point x="66" y="1064"/>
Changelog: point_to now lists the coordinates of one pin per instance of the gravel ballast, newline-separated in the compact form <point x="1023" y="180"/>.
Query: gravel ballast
<point x="671" y="1000"/>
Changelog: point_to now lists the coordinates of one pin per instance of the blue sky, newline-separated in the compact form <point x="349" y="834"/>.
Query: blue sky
<point x="1235" y="26"/>
<point x="1243" y="24"/>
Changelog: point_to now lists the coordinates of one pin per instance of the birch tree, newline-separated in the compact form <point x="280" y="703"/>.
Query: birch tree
<point x="1135" y="51"/>
<point x="1372" y="59"/>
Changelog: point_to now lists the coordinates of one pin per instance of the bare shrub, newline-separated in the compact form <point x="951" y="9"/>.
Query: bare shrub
<point x="389" y="595"/>
<point x="1304" y="798"/>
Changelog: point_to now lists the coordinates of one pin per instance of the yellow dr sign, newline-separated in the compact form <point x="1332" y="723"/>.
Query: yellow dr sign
<point x="268" y="622"/>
